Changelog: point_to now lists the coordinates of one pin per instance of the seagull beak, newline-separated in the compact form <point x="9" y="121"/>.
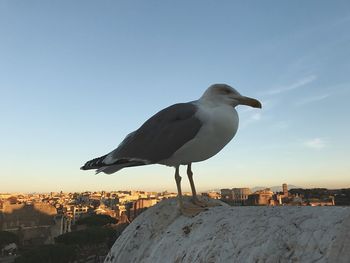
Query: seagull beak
<point x="249" y="102"/>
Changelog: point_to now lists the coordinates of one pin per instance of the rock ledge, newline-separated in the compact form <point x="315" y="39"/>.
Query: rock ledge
<point x="236" y="234"/>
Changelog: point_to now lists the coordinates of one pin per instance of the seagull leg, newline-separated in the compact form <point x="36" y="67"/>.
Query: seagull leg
<point x="195" y="199"/>
<point x="193" y="188"/>
<point x="178" y="184"/>
<point x="186" y="210"/>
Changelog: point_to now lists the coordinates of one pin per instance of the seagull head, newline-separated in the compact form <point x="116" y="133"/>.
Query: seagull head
<point x="225" y="94"/>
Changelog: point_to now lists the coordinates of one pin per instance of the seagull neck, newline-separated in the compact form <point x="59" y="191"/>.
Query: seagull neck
<point x="210" y="102"/>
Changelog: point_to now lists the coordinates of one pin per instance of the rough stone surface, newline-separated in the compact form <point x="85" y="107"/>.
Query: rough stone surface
<point x="236" y="234"/>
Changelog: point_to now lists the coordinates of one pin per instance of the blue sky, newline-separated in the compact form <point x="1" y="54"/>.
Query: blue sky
<point x="77" y="76"/>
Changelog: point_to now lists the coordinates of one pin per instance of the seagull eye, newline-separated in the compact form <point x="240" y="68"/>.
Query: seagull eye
<point x="226" y="91"/>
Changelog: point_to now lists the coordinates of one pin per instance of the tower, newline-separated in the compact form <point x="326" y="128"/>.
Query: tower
<point x="285" y="190"/>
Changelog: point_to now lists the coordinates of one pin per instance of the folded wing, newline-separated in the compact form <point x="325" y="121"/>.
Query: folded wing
<point x="157" y="139"/>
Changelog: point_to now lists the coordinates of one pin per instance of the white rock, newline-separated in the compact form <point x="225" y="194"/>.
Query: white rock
<point x="236" y="234"/>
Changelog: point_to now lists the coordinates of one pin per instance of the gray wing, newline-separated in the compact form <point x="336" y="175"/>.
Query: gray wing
<point x="161" y="135"/>
<point x="156" y="140"/>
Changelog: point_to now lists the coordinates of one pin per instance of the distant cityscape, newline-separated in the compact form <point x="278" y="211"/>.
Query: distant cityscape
<point x="28" y="221"/>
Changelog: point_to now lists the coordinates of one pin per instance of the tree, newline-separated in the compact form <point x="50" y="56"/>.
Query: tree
<point x="96" y="220"/>
<point x="86" y="237"/>
<point x="7" y="238"/>
<point x="117" y="232"/>
<point x="48" y="253"/>
<point x="93" y="241"/>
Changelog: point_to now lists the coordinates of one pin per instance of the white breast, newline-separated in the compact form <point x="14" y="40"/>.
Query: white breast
<point x="220" y="124"/>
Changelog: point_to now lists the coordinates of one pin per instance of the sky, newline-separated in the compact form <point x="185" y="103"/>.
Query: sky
<point x="77" y="76"/>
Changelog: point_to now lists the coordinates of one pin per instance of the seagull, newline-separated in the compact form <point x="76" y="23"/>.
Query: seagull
<point x="180" y="134"/>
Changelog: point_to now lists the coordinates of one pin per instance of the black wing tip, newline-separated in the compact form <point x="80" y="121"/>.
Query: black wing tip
<point x="86" y="167"/>
<point x="94" y="163"/>
<point x="97" y="163"/>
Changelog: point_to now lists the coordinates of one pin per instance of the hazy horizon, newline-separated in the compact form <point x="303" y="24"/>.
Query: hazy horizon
<point x="77" y="77"/>
<point x="186" y="189"/>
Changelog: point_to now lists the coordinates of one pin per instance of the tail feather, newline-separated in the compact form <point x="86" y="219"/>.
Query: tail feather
<point x="116" y="167"/>
<point x="94" y="163"/>
<point x="100" y="166"/>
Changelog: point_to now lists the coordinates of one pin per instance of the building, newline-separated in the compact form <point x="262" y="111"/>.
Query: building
<point x="321" y="202"/>
<point x="285" y="190"/>
<point x="65" y="223"/>
<point x="226" y="194"/>
<point x="240" y="195"/>
<point x="17" y="215"/>
<point x="139" y="206"/>
<point x="105" y="210"/>
<point x="235" y="196"/>
<point x="34" y="223"/>
<point x="212" y="195"/>
<point x="261" y="197"/>
<point x="120" y="210"/>
<point x="75" y="212"/>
